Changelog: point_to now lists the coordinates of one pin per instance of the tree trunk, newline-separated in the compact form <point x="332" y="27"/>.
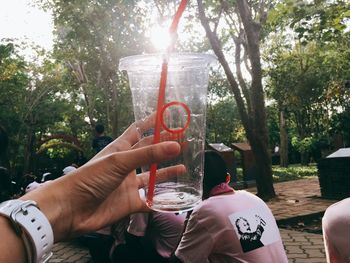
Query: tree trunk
<point x="264" y="182"/>
<point x="283" y="149"/>
<point x="114" y="109"/>
<point x="28" y="164"/>
<point x="255" y="122"/>
<point x="304" y="158"/>
<point x="260" y="138"/>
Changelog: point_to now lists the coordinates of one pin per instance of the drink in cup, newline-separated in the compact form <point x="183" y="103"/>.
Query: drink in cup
<point x="182" y="117"/>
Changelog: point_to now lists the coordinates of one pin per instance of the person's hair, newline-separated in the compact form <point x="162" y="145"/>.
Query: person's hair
<point x="99" y="128"/>
<point x="237" y="224"/>
<point x="27" y="179"/>
<point x="215" y="170"/>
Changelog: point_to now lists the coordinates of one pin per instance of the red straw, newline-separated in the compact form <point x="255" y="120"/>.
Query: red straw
<point x="160" y="104"/>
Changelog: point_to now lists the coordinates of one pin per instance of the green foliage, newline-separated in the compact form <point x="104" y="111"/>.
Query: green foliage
<point x="91" y="38"/>
<point x="308" y="83"/>
<point x="340" y="124"/>
<point x="36" y="105"/>
<point x="273" y="125"/>
<point x="223" y="124"/>
<point x="312" y="20"/>
<point x="308" y="68"/>
<point x="304" y="145"/>
<point x="293" y="172"/>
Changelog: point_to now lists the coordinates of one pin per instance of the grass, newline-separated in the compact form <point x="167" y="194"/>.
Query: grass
<point x="292" y="172"/>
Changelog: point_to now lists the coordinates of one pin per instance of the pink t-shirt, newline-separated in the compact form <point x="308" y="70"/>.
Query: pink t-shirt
<point x="236" y="227"/>
<point x="162" y="229"/>
<point x="336" y="232"/>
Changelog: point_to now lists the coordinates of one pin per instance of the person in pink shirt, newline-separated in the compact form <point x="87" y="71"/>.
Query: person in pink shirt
<point x="160" y="233"/>
<point x="229" y="226"/>
<point x="154" y="235"/>
<point x="336" y="232"/>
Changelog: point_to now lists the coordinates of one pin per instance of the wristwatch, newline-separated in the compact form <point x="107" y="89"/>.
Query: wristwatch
<point x="32" y="226"/>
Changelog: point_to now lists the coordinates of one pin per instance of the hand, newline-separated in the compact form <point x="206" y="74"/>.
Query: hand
<point x="105" y="189"/>
<point x="259" y="220"/>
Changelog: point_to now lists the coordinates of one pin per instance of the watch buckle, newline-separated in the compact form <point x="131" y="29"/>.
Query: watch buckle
<point x="23" y="207"/>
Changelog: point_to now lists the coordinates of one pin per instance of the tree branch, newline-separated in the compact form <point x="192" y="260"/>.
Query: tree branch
<point x="215" y="43"/>
<point x="238" y="62"/>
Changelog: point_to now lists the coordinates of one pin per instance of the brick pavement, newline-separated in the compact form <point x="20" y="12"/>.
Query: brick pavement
<point x="294" y="199"/>
<point x="297" y="198"/>
<point x="70" y="252"/>
<point x="303" y="247"/>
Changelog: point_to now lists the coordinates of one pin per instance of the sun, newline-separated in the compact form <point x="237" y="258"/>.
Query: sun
<point x="160" y="37"/>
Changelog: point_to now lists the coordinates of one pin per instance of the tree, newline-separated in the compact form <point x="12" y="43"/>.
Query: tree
<point x="313" y="20"/>
<point x="223" y="123"/>
<point x="244" y="21"/>
<point x="91" y="37"/>
<point x="29" y="95"/>
<point x="306" y="64"/>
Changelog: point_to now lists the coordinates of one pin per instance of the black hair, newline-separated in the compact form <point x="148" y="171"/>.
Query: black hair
<point x="215" y="170"/>
<point x="99" y="128"/>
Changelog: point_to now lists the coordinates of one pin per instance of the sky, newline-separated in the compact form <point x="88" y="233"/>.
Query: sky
<point x="18" y="19"/>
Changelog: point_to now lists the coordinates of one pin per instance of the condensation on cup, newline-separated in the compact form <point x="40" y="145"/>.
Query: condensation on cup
<point x="183" y="118"/>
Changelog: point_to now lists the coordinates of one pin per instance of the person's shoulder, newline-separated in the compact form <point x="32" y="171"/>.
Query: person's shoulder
<point x="248" y="195"/>
<point x="105" y="138"/>
<point x="206" y="207"/>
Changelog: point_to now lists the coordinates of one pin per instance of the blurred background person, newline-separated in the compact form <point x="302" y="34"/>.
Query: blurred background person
<point x="101" y="140"/>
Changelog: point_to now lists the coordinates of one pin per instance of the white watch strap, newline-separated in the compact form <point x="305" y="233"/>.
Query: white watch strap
<point x="32" y="225"/>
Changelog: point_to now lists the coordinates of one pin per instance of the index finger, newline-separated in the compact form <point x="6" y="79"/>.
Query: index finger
<point x="137" y="129"/>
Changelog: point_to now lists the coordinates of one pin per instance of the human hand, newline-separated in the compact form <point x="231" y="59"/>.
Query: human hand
<point x="259" y="220"/>
<point x="105" y="189"/>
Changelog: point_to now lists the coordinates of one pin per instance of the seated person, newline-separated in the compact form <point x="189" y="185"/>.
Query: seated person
<point x="336" y="228"/>
<point x="154" y="235"/>
<point x="229" y="226"/>
<point x="28" y="183"/>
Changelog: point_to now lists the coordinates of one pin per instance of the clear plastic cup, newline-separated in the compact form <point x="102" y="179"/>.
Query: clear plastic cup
<point x="183" y="118"/>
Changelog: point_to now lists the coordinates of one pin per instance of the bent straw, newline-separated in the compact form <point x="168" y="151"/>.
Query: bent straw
<point x="160" y="103"/>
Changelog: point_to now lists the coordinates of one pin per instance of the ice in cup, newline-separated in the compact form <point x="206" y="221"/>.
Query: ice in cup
<point x="183" y="118"/>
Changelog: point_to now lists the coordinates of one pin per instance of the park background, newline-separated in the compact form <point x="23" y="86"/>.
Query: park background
<point x="283" y="80"/>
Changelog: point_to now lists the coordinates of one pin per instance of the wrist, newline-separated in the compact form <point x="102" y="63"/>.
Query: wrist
<point x="54" y="204"/>
<point x="31" y="226"/>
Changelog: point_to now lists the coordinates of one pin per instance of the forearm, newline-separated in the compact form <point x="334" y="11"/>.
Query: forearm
<point x="51" y="199"/>
<point x="11" y="246"/>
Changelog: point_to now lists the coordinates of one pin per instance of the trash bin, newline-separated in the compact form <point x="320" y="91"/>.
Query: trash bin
<point x="334" y="174"/>
<point x="248" y="162"/>
<point x="228" y="156"/>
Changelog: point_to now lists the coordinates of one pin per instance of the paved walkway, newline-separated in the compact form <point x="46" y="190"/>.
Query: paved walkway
<point x="294" y="199"/>
<point x="297" y="198"/>
<point x="303" y="247"/>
